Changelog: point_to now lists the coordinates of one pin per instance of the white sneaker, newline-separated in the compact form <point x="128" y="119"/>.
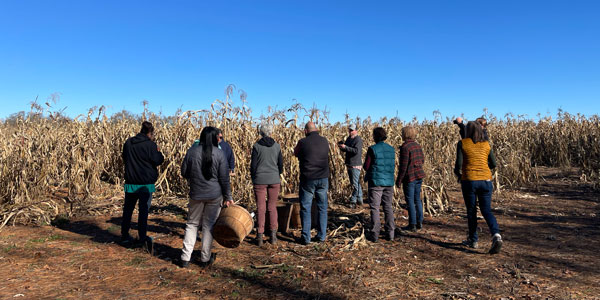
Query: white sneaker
<point x="496" y="244"/>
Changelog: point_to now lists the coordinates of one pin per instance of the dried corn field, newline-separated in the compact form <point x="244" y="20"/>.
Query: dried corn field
<point x="53" y="166"/>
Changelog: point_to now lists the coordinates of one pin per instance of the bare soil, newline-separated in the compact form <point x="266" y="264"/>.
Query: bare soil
<point x="551" y="250"/>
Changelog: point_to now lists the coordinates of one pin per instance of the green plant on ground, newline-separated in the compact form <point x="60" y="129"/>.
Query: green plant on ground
<point x="136" y="261"/>
<point x="435" y="280"/>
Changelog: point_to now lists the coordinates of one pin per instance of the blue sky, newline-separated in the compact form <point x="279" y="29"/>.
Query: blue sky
<point x="377" y="58"/>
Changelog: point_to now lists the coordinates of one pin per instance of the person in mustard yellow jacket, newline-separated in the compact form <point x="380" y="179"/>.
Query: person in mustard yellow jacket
<point x="474" y="161"/>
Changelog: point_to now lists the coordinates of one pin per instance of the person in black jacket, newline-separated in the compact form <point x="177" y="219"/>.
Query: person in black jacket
<point x="353" y="149"/>
<point x="205" y="168"/>
<point x="141" y="158"/>
<point x="313" y="156"/>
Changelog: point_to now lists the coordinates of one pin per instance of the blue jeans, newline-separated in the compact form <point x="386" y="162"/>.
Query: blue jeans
<point x="354" y="175"/>
<point x="143" y="208"/>
<point x="412" y="192"/>
<point x="472" y="192"/>
<point x="309" y="189"/>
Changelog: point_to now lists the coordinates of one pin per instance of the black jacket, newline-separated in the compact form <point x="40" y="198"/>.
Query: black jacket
<point x="353" y="151"/>
<point x="141" y="157"/>
<point x="313" y="155"/>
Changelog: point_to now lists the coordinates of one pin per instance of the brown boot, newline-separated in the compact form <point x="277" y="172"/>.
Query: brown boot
<point x="273" y="237"/>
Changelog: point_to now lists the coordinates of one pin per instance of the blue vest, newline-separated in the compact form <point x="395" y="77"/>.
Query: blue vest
<point x="381" y="172"/>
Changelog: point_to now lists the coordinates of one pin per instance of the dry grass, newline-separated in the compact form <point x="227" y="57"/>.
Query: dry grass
<point x="51" y="165"/>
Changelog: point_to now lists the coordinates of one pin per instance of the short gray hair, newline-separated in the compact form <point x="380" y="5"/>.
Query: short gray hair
<point x="265" y="129"/>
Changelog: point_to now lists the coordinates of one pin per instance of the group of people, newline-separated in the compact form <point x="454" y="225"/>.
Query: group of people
<point x="380" y="166"/>
<point x="209" y="163"/>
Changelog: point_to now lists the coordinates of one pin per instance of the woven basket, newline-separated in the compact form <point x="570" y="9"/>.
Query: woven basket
<point x="232" y="226"/>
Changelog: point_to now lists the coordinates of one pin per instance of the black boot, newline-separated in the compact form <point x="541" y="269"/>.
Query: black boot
<point x="184" y="263"/>
<point x="373" y="237"/>
<point x="204" y="264"/>
<point x="411" y="228"/>
<point x="259" y="239"/>
<point x="273" y="237"/>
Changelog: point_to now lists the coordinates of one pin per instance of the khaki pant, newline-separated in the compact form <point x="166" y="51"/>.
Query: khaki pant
<point x="206" y="212"/>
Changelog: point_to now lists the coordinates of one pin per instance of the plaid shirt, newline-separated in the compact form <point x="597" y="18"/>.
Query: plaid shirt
<point x="411" y="162"/>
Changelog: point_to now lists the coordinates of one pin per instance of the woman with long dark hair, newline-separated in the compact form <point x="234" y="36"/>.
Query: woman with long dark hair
<point x="206" y="169"/>
<point x="474" y="161"/>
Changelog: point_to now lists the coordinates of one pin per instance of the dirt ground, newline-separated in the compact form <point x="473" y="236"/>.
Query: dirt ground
<point x="551" y="250"/>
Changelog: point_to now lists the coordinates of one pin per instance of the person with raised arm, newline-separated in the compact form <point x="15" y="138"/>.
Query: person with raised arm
<point x="474" y="161"/>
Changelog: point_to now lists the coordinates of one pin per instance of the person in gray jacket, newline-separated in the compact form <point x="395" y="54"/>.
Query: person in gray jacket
<point x="266" y="165"/>
<point x="206" y="170"/>
<point x="353" y="148"/>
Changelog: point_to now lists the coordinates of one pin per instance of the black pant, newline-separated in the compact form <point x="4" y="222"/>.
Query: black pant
<point x="144" y="206"/>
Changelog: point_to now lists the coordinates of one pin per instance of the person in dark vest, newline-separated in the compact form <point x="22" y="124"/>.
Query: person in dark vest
<point x="474" y="161"/>
<point x="141" y="158"/>
<point x="207" y="172"/>
<point x="224" y="145"/>
<point x="379" y="166"/>
<point x="353" y="149"/>
<point x="266" y="164"/>
<point x="313" y="156"/>
<point x="410" y="177"/>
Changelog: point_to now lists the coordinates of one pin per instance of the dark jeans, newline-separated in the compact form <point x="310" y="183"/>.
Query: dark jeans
<point x="382" y="195"/>
<point x="472" y="192"/>
<point x="143" y="208"/>
<point x="354" y="175"/>
<point x="309" y="189"/>
<point x="412" y="192"/>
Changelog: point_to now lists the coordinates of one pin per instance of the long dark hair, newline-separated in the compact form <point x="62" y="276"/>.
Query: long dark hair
<point x="475" y="132"/>
<point x="208" y="140"/>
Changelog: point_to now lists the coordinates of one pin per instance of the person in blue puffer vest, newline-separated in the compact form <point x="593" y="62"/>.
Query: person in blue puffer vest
<point x="380" y="166"/>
